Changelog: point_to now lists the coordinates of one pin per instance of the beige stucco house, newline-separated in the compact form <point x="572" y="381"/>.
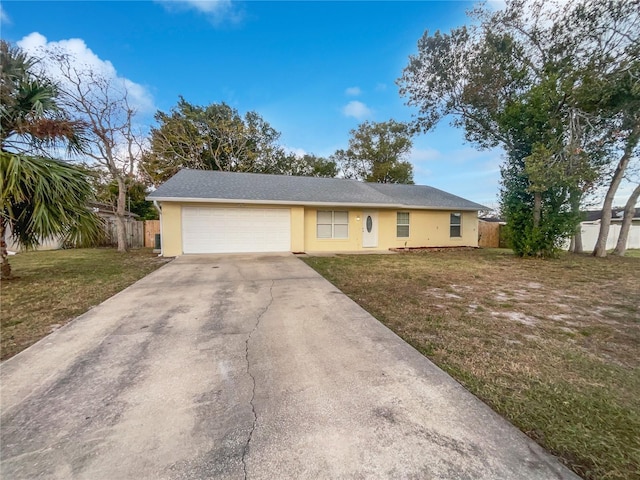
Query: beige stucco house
<point x="223" y="212"/>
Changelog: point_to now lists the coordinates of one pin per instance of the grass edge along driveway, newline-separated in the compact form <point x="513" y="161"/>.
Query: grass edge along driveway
<point x="55" y="286"/>
<point x="552" y="345"/>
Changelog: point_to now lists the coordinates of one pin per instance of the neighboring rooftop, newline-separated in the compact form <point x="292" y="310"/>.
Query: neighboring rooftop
<point x="211" y="185"/>
<point x="492" y="219"/>
<point x="106" y="209"/>
<point x="616" y="214"/>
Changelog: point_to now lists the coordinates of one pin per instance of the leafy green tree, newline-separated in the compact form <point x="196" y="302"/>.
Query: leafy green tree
<point x="549" y="174"/>
<point x="307" y="165"/>
<point x="609" y="94"/>
<point x="516" y="81"/>
<point x="40" y="197"/>
<point x="136" y="191"/>
<point x="215" y="137"/>
<point x="319" y="166"/>
<point x="136" y="203"/>
<point x="478" y="79"/>
<point x="377" y="153"/>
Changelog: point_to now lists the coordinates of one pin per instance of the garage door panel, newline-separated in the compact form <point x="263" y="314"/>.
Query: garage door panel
<point x="231" y="230"/>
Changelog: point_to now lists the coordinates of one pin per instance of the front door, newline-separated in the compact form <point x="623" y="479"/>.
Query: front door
<point x="369" y="229"/>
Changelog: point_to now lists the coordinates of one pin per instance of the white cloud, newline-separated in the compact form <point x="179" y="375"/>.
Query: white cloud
<point x="298" y="152"/>
<point x="467" y="155"/>
<point x="217" y="10"/>
<point x="381" y="87"/>
<point x="418" y="170"/>
<point x="353" y="91"/>
<point x="207" y="6"/>
<point x="84" y="58"/>
<point x="419" y="155"/>
<point x="357" y="110"/>
<point x="4" y="18"/>
<point x="492" y="165"/>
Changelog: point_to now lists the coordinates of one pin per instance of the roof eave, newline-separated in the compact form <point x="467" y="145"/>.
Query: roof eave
<point x="311" y="204"/>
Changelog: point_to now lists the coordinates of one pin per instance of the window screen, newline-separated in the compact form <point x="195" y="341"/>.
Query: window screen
<point x="402" y="224"/>
<point x="455" y="225"/>
<point x="332" y="224"/>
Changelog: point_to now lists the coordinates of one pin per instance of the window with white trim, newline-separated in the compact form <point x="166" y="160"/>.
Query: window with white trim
<point x="455" y="225"/>
<point x="332" y="224"/>
<point x="402" y="224"/>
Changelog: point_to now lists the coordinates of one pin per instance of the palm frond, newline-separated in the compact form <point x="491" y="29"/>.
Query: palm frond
<point x="44" y="198"/>
<point x="29" y="110"/>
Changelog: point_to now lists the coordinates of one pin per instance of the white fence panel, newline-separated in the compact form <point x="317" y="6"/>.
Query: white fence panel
<point x="590" y="236"/>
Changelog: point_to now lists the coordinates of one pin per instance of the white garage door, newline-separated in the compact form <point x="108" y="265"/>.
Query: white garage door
<point x="232" y="230"/>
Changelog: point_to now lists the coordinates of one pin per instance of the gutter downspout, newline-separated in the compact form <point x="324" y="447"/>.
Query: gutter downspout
<point x="159" y="209"/>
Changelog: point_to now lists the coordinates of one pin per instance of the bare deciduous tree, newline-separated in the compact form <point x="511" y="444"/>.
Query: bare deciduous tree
<point x="103" y="104"/>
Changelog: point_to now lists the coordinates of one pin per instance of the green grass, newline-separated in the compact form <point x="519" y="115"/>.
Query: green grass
<point x="53" y="287"/>
<point x="552" y="345"/>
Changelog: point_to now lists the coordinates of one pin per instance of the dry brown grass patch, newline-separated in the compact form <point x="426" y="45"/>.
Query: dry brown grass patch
<point x="551" y="344"/>
<point x="54" y="287"/>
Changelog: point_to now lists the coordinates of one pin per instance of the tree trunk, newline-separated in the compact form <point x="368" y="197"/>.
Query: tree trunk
<point x="537" y="208"/>
<point x="120" y="209"/>
<point x="629" y="211"/>
<point x="576" y="240"/>
<point x="600" y="249"/>
<point x="5" y="268"/>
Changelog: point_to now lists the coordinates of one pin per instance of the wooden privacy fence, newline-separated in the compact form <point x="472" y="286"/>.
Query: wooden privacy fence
<point x="134" y="232"/>
<point x="151" y="228"/>
<point x="488" y="234"/>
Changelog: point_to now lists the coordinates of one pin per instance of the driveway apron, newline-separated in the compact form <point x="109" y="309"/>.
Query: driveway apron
<point x="245" y="366"/>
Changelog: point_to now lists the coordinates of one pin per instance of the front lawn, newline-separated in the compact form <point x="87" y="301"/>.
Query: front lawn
<point x="553" y="345"/>
<point x="56" y="286"/>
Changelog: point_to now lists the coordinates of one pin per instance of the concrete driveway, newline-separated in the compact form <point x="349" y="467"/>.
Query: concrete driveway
<point x="245" y="367"/>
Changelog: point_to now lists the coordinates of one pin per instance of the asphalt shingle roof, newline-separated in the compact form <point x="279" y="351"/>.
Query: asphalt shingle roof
<point x="616" y="214"/>
<point x="207" y="184"/>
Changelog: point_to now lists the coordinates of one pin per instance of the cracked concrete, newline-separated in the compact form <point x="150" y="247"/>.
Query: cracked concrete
<point x="253" y="379"/>
<point x="245" y="367"/>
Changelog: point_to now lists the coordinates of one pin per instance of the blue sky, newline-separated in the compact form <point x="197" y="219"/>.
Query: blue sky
<point x="314" y="70"/>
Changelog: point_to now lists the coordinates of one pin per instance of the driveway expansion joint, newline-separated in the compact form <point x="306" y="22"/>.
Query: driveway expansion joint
<point x="253" y="379"/>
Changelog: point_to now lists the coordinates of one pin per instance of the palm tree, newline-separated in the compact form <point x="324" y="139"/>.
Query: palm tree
<point x="40" y="197"/>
